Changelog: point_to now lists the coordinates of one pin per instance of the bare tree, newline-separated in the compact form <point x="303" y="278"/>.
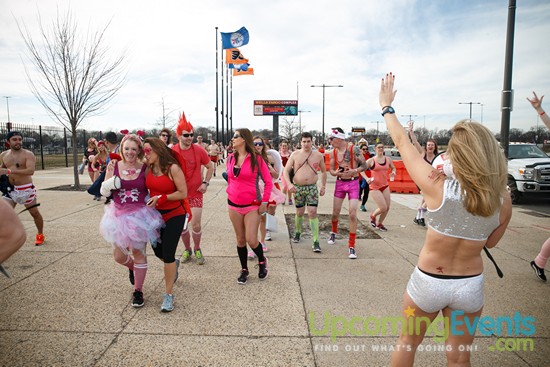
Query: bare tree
<point x="289" y="130"/>
<point x="75" y="77"/>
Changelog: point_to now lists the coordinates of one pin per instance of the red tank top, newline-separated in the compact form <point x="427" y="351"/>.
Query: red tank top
<point x="163" y="185"/>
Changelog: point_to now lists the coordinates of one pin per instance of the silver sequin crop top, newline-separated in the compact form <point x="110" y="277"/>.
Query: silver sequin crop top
<point x="452" y="219"/>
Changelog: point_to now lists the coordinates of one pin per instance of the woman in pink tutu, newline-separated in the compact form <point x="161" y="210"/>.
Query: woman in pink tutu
<point x="128" y="223"/>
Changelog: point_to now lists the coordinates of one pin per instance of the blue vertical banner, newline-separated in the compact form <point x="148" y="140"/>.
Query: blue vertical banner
<point x="235" y="39"/>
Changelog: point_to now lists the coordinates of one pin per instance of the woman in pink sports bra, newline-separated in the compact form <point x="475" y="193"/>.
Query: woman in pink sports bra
<point x="379" y="186"/>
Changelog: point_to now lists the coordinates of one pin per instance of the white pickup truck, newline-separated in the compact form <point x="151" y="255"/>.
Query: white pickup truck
<point x="528" y="170"/>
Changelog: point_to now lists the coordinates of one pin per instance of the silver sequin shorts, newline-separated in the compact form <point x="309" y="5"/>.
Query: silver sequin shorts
<point x="434" y="294"/>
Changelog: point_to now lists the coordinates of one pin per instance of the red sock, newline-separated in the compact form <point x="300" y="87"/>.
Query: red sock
<point x="335" y="226"/>
<point x="351" y="242"/>
<point x="186" y="238"/>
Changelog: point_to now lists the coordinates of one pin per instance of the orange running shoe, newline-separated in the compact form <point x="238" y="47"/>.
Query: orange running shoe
<point x="39" y="239"/>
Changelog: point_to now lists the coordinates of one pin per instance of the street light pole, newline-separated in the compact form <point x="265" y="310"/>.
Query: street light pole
<point x="300" y="119"/>
<point x="409" y="116"/>
<point x="470" y="103"/>
<point x="481" y="114"/>
<point x="325" y="86"/>
<point x="8" y="106"/>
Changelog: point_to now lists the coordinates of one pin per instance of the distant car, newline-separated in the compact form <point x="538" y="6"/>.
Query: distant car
<point x="394" y="152"/>
<point x="371" y="150"/>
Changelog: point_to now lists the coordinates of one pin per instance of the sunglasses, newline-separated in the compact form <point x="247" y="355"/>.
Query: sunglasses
<point x="365" y="150"/>
<point x="187" y="135"/>
<point x="259" y="144"/>
<point x="164" y="135"/>
<point x="147" y="150"/>
<point x="236" y="136"/>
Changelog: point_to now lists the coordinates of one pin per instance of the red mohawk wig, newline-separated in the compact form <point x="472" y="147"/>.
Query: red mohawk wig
<point x="183" y="124"/>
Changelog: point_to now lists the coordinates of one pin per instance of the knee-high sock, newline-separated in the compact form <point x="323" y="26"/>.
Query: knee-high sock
<point x="335" y="226"/>
<point x="259" y="251"/>
<point x="196" y="239"/>
<point x="351" y="242"/>
<point x="243" y="256"/>
<point x="314" y="224"/>
<point x="186" y="238"/>
<point x="298" y="221"/>
<point x="544" y="254"/>
<point x="140" y="270"/>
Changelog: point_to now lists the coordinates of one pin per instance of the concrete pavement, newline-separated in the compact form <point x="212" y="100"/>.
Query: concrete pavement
<point x="67" y="303"/>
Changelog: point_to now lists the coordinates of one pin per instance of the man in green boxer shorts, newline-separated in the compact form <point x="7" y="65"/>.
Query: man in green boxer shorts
<point x="306" y="163"/>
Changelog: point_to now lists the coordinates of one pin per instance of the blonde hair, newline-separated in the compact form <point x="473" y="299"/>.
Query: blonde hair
<point x="479" y="166"/>
<point x="135" y="139"/>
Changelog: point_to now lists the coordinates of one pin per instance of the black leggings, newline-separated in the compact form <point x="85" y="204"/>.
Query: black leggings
<point x="169" y="238"/>
<point x="364" y="192"/>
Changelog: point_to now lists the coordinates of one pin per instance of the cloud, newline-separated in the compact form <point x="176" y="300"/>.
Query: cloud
<point x="442" y="52"/>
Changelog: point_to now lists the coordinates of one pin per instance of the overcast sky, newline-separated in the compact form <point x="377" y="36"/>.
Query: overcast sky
<point x="443" y="52"/>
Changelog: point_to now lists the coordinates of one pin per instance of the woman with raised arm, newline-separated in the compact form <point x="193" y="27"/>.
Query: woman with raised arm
<point x="541" y="260"/>
<point x="468" y="208"/>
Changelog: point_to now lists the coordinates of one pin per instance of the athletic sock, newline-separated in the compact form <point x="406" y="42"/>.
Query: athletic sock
<point x="335" y="226"/>
<point x="186" y="238"/>
<point x="242" y="257"/>
<point x="140" y="270"/>
<point x="299" y="221"/>
<point x="196" y="239"/>
<point x="259" y="251"/>
<point x="421" y="213"/>
<point x="351" y="242"/>
<point x="314" y="224"/>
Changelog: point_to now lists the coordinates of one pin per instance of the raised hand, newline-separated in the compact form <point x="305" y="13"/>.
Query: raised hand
<point x="536" y="101"/>
<point x="387" y="94"/>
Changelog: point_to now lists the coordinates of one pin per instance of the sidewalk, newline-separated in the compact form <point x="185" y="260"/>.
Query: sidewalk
<point x="67" y="303"/>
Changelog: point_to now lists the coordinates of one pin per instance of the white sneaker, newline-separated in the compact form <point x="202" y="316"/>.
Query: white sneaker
<point x="251" y="254"/>
<point x="352" y="254"/>
<point x="332" y="238"/>
<point x="268" y="235"/>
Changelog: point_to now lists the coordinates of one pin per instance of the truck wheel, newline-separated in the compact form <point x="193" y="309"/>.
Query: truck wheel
<point x="513" y="189"/>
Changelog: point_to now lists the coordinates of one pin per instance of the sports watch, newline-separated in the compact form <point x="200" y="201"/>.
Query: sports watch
<point x="387" y="109"/>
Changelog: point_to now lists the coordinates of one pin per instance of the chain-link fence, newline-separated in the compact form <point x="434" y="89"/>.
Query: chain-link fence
<point x="51" y="145"/>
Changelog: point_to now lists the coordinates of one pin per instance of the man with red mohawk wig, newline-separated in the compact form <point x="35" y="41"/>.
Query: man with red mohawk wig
<point x="195" y="157"/>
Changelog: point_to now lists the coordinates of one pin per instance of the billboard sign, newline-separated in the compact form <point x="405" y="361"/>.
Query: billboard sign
<point x="275" y="107"/>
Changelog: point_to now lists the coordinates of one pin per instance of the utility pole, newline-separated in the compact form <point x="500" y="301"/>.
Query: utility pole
<point x="325" y="86"/>
<point x="300" y="120"/>
<point x="470" y="103"/>
<point x="8" y="106"/>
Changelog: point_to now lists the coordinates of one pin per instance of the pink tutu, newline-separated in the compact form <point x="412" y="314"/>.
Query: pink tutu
<point x="131" y="226"/>
<point x="276" y="194"/>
